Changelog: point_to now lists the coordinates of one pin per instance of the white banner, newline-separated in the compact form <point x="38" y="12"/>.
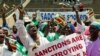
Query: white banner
<point x="67" y="15"/>
<point x="72" y="45"/>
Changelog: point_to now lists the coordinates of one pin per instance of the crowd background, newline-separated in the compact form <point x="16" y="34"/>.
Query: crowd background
<point x="24" y="37"/>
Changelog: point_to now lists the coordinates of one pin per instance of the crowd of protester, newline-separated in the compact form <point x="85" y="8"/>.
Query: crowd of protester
<point x="24" y="37"/>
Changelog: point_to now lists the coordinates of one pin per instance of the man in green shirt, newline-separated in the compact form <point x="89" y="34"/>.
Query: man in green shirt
<point x="35" y="21"/>
<point x="52" y="34"/>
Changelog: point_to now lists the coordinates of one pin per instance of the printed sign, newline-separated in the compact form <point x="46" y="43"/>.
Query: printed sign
<point x="72" y="45"/>
<point x="67" y="15"/>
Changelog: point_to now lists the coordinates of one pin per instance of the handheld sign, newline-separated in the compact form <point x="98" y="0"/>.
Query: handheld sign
<point x="72" y="45"/>
<point x="49" y="15"/>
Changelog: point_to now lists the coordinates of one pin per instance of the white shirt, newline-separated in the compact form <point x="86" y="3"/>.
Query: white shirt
<point x="4" y="51"/>
<point x="26" y="39"/>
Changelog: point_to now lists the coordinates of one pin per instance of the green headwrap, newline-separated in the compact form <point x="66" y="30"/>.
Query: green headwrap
<point x="28" y="26"/>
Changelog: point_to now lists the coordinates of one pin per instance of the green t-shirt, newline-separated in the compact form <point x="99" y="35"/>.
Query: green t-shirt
<point x="52" y="36"/>
<point x="35" y="22"/>
<point x="43" y="27"/>
<point x="21" y="49"/>
<point x="41" y="34"/>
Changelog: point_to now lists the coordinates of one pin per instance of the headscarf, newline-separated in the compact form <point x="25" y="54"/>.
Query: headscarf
<point x="28" y="26"/>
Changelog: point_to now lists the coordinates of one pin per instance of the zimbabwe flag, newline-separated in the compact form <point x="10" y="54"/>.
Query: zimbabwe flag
<point x="60" y="20"/>
<point x="91" y="13"/>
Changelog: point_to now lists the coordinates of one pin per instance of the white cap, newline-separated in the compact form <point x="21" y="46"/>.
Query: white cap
<point x="27" y="19"/>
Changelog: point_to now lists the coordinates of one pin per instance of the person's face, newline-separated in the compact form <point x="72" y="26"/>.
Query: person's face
<point x="67" y="31"/>
<point x="34" y="16"/>
<point x="14" y="16"/>
<point x="94" y="33"/>
<point x="5" y="32"/>
<point x="33" y="31"/>
<point x="49" y="23"/>
<point x="51" y="29"/>
<point x="1" y="36"/>
<point x="92" y="29"/>
<point x="14" y="29"/>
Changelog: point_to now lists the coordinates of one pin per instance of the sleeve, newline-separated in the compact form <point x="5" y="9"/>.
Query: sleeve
<point x="5" y="25"/>
<point x="45" y="41"/>
<point x="22" y="33"/>
<point x="71" y="27"/>
<point x="80" y="28"/>
<point x="17" y="14"/>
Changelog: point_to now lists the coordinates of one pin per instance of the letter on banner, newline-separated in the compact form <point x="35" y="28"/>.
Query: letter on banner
<point x="49" y="15"/>
<point x="72" y="45"/>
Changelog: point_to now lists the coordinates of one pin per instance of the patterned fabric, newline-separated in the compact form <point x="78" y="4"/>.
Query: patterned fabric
<point x="21" y="49"/>
<point x="60" y="20"/>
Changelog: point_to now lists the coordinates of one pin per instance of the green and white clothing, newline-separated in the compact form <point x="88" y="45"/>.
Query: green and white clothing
<point x="26" y="39"/>
<point x="42" y="29"/>
<point x="4" y="50"/>
<point x="35" y="22"/>
<point x="20" y="49"/>
<point x="52" y="36"/>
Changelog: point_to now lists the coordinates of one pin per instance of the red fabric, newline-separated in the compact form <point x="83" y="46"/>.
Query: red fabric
<point x="59" y="20"/>
<point x="81" y="5"/>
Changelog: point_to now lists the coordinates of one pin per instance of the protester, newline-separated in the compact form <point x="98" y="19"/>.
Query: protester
<point x="18" y="47"/>
<point x="52" y="35"/>
<point x="66" y="30"/>
<point x="81" y="7"/>
<point x="4" y="19"/>
<point x="35" y="21"/>
<point x="30" y="38"/>
<point x="93" y="44"/>
<point x="5" y="49"/>
<point x="14" y="16"/>
<point x="8" y="41"/>
<point x="93" y="40"/>
<point x="14" y="33"/>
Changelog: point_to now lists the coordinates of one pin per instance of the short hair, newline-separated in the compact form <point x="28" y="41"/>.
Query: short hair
<point x="94" y="34"/>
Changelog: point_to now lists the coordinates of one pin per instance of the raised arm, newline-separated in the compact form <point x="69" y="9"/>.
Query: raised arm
<point x="4" y="18"/>
<point x="77" y="16"/>
<point x="22" y="33"/>
<point x="80" y="26"/>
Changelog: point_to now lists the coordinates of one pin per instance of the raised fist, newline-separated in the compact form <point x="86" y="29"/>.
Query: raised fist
<point x="21" y="11"/>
